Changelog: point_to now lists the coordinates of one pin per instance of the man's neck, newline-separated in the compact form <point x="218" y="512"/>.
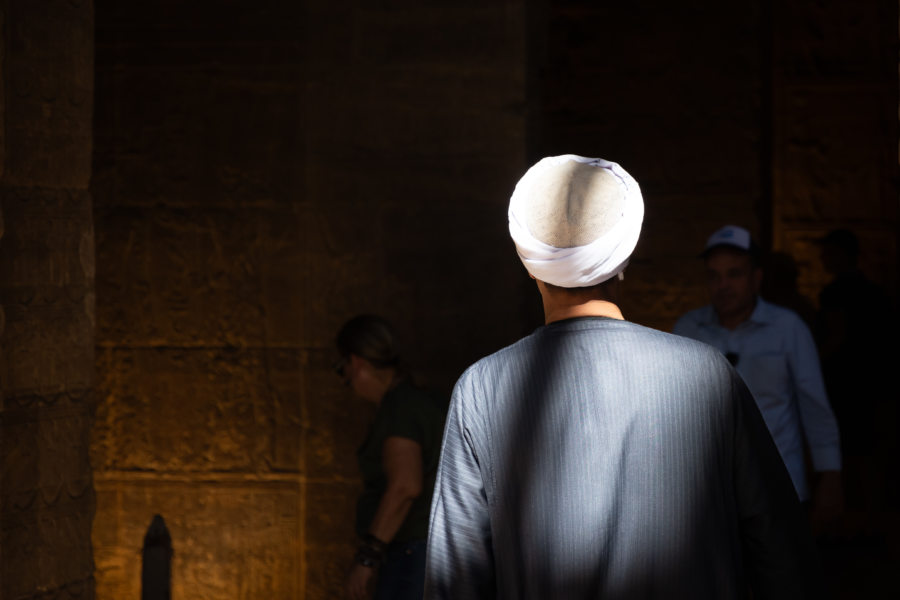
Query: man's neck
<point x="590" y="302"/>
<point x="591" y="308"/>
<point x="732" y="321"/>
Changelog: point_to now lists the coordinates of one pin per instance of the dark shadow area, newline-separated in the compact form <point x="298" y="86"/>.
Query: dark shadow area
<point x="779" y="286"/>
<point x="856" y="332"/>
<point x="156" y="570"/>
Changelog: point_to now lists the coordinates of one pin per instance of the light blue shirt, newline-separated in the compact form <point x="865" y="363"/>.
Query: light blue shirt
<point x="777" y="358"/>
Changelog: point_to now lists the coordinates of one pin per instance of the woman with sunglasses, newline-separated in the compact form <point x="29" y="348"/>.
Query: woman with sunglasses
<point x="397" y="461"/>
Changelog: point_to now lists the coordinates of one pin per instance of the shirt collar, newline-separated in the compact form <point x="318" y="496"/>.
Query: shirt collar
<point x="762" y="314"/>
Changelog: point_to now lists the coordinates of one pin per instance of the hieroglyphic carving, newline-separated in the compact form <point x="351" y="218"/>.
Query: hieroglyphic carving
<point x="144" y="421"/>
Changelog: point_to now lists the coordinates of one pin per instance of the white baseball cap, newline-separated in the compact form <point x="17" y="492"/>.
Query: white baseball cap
<point x="734" y="236"/>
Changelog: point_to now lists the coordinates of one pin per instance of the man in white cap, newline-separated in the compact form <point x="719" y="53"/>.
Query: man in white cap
<point x="775" y="353"/>
<point x="596" y="458"/>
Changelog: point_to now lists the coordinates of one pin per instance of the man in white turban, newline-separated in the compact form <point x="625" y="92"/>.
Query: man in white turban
<point x="596" y="458"/>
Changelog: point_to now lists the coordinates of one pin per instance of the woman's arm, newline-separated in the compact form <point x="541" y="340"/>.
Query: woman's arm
<point x="401" y="459"/>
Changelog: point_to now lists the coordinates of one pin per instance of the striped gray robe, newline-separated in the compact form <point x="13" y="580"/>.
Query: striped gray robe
<point x="597" y="458"/>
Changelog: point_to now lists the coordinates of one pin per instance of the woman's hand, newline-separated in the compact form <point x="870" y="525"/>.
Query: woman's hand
<point x="402" y="464"/>
<point x="360" y="582"/>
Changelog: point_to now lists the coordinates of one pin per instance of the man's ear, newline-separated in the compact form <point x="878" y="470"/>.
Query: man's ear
<point x="757" y="278"/>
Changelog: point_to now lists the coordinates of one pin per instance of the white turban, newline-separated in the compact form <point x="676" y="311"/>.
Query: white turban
<point x="575" y="220"/>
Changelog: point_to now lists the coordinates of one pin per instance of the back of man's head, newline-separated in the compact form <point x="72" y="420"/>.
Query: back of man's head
<point x="575" y="220"/>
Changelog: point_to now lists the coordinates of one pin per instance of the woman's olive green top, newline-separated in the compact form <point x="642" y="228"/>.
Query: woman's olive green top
<point x="406" y="412"/>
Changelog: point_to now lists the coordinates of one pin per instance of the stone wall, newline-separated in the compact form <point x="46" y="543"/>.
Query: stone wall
<point x="265" y="170"/>
<point x="835" y="134"/>
<point x="262" y="172"/>
<point x="46" y="299"/>
<point x="778" y="116"/>
<point x="673" y="93"/>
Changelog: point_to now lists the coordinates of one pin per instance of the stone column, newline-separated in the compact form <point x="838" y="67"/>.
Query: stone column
<point x="46" y="299"/>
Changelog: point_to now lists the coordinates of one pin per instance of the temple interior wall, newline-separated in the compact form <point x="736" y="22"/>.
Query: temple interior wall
<point x="47" y="299"/>
<point x="195" y="196"/>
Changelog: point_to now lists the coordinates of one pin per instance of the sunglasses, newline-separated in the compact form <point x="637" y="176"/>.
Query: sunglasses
<point x="340" y="367"/>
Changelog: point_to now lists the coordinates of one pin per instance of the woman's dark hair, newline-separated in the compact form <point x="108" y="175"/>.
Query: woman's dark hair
<point x="370" y="337"/>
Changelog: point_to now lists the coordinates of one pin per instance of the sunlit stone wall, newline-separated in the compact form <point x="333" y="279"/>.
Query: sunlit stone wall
<point x="46" y="299"/>
<point x="264" y="170"/>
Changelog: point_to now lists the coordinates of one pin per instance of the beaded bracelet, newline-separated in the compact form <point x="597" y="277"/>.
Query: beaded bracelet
<point x="371" y="552"/>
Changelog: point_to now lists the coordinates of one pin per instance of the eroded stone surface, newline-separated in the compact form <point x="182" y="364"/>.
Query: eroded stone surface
<point x="236" y="538"/>
<point x="49" y="70"/>
<point x="257" y="183"/>
<point x="47" y="299"/>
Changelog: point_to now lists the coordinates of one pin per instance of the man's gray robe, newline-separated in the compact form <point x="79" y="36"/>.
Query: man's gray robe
<point x="597" y="458"/>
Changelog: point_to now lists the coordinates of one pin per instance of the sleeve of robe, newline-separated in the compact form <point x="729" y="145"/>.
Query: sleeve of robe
<point x="460" y="562"/>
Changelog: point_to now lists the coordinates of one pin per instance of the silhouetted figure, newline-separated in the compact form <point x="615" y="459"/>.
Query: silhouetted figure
<point x="855" y="331"/>
<point x="397" y="462"/>
<point x="779" y="286"/>
<point x="156" y="569"/>
<point x="775" y="353"/>
<point x="596" y="458"/>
